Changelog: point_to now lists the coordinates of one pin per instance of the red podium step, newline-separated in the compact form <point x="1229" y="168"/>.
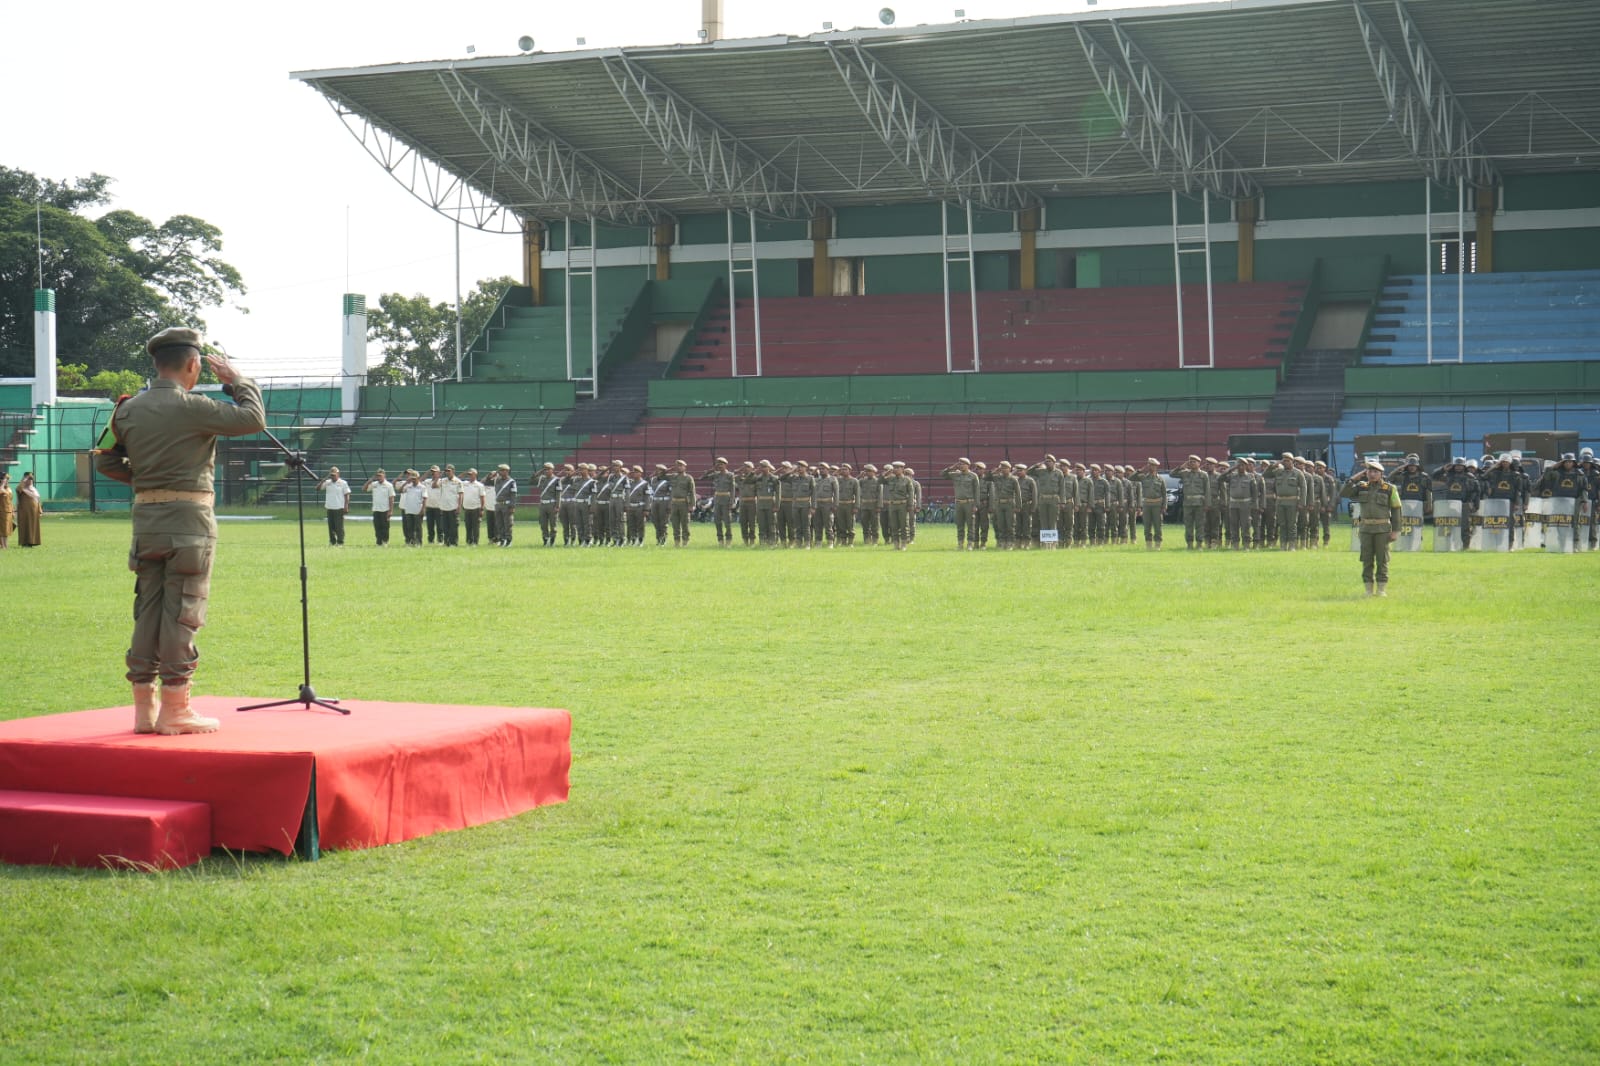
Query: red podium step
<point x="71" y="829"/>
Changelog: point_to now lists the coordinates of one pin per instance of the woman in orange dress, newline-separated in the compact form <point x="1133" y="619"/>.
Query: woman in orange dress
<point x="8" y="509"/>
<point x="30" y="509"/>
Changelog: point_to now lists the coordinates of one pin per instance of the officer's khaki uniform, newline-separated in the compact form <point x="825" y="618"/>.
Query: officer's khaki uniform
<point x="166" y="448"/>
<point x="681" y="485"/>
<point x="1380" y="517"/>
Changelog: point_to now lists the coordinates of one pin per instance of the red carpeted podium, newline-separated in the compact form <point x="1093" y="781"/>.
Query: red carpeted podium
<point x="286" y="779"/>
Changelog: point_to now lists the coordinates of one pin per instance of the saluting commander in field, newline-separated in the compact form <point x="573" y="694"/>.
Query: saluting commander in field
<point x="166" y="443"/>
<point x="1379" y="523"/>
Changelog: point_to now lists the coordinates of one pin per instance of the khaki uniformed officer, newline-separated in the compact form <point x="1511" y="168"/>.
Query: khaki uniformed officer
<point x="166" y="443"/>
<point x="1379" y="522"/>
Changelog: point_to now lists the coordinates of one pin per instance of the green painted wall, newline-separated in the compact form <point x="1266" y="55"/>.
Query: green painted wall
<point x="1348" y="201"/>
<point x="16" y="397"/>
<point x="1576" y="249"/>
<point x="1161" y="386"/>
<point x="898" y="220"/>
<point x="1292" y="260"/>
<point x="1548" y="192"/>
<point x="904" y="273"/>
<point x="1095" y="212"/>
<point x="1498" y="379"/>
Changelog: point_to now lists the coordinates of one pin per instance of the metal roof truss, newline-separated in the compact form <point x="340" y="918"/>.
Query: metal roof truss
<point x="725" y="167"/>
<point x="1165" y="130"/>
<point x="453" y="194"/>
<point x="557" y="177"/>
<point x="943" y="158"/>
<point x="1428" y="116"/>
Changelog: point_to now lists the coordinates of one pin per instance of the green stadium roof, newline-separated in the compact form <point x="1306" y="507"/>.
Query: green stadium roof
<point x="1003" y="113"/>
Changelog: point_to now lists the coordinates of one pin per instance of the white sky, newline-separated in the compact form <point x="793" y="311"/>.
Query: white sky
<point x="190" y="108"/>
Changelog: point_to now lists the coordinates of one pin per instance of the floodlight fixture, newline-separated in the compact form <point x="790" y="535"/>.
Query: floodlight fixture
<point x="525" y="43"/>
<point x="961" y="12"/>
<point x="582" y="41"/>
<point x="471" y="48"/>
<point x="827" y="25"/>
<point x="886" y="16"/>
<point x="700" y="34"/>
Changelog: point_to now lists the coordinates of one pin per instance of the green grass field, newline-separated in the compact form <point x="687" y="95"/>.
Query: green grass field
<point x="1086" y="806"/>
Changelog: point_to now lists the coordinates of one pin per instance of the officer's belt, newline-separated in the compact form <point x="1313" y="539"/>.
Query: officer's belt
<point x="722" y="494"/>
<point x="172" y="496"/>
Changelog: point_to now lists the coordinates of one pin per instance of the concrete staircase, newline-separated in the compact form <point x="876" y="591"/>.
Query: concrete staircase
<point x="1312" y="390"/>
<point x="624" y="397"/>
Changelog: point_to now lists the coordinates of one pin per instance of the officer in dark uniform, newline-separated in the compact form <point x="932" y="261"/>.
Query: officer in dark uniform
<point x="1456" y="482"/>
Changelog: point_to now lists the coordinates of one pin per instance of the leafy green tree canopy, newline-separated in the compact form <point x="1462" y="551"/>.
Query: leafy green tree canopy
<point x="118" y="277"/>
<point x="419" y="337"/>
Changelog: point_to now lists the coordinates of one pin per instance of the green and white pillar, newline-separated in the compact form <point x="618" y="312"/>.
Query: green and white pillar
<point x="44" y="347"/>
<point x="355" y="357"/>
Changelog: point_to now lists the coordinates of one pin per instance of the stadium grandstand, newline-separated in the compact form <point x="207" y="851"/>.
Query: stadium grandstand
<point x="1104" y="234"/>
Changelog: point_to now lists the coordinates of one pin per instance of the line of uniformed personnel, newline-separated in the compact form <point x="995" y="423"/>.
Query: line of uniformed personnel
<point x="794" y="504"/>
<point x="1573" y="476"/>
<point x="1243" y="504"/>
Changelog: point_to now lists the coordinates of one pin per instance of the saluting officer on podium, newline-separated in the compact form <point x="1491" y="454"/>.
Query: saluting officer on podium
<point x="165" y="447"/>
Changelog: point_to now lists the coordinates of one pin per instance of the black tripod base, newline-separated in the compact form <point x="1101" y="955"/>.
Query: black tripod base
<point x="307" y="697"/>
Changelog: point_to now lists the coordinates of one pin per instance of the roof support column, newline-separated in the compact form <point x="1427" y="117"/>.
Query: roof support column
<point x="532" y="250"/>
<point x="1247" y="211"/>
<point x="821" y="261"/>
<point x="666" y="233"/>
<point x="1027" y="271"/>
<point x="1486" y="196"/>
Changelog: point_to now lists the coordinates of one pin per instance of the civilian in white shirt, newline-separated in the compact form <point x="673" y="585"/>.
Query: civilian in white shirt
<point x="472" y="494"/>
<point x="336" y="498"/>
<point x="383" y="494"/>
<point x="431" y="482"/>
<point x="450" y="507"/>
<point x="413" y="500"/>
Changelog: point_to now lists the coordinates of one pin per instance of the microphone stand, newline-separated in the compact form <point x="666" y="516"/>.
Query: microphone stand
<point x="307" y="695"/>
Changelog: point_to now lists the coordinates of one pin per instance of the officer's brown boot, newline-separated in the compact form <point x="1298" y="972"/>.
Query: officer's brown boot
<point x="177" y="717"/>
<point x="1371" y="590"/>
<point x="1383" y="587"/>
<point x="144" y="706"/>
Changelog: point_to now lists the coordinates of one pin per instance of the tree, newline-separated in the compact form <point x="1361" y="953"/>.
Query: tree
<point x="419" y="337"/>
<point x="117" y="278"/>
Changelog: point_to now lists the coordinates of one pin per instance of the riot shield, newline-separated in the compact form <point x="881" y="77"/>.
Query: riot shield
<point x="1559" y="531"/>
<point x="1533" y="524"/>
<point x="1447" y="525"/>
<point x="1581" y="524"/>
<point x="1355" y="526"/>
<point x="1410" y="527"/>
<point x="1495" y="535"/>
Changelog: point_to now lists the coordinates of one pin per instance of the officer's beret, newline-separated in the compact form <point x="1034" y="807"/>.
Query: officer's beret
<point x="720" y="459"/>
<point x="1153" y="461"/>
<point x="176" y="337"/>
<point x="1288" y="455"/>
<point x="964" y="459"/>
<point x="1194" y="458"/>
<point x="1373" y="464"/>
